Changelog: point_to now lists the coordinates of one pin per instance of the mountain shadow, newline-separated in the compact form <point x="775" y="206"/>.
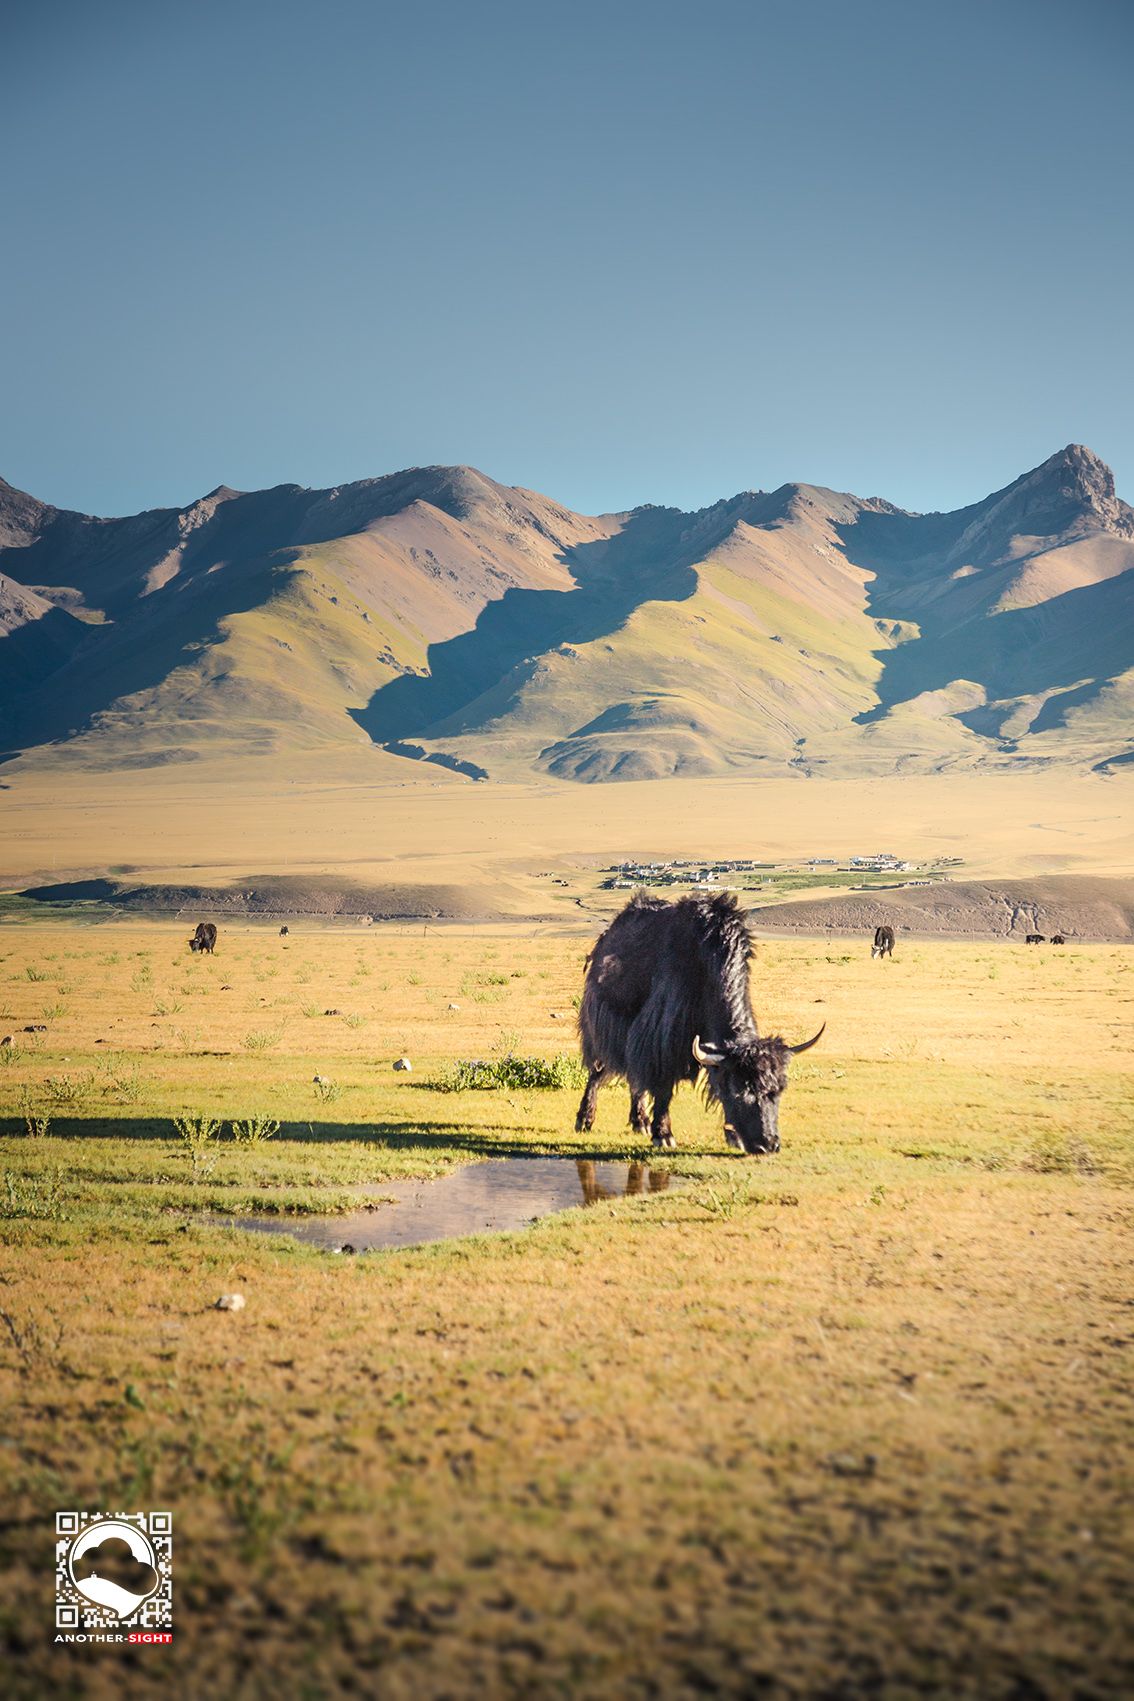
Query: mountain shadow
<point x="113" y="662"/>
<point x="640" y="563"/>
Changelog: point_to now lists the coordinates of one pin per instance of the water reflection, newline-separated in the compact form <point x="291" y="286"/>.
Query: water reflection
<point x="639" y="1179"/>
<point x="504" y="1193"/>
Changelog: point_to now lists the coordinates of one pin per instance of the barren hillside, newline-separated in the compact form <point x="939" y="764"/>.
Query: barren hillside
<point x="439" y="615"/>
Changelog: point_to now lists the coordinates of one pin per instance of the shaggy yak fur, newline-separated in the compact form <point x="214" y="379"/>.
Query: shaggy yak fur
<point x="662" y="979"/>
<point x="205" y="937"/>
<point x="883" y="942"/>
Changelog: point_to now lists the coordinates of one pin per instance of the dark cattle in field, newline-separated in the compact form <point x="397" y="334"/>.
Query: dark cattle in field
<point x="1058" y="939"/>
<point x="205" y="937"/>
<point x="283" y="931"/>
<point x="1034" y="939"/>
<point x="883" y="942"/>
<point x="667" y="995"/>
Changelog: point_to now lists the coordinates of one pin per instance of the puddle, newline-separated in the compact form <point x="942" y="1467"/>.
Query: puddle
<point x="504" y="1193"/>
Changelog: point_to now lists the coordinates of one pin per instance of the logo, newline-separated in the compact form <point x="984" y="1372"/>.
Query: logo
<point x="113" y="1577"/>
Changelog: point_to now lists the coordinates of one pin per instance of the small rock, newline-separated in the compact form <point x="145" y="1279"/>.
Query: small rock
<point x="230" y="1302"/>
<point x="7" y="1040"/>
<point x="226" y="989"/>
<point x="557" y="1015"/>
<point x="332" y="1012"/>
<point x="101" y="1042"/>
<point x="403" y="1063"/>
<point x="321" y="1080"/>
<point x="350" y="1249"/>
<point x="452" y="1007"/>
<point x="36" y="1028"/>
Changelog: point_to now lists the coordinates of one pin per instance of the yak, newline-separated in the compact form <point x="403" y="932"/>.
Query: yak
<point x="1058" y="939"/>
<point x="666" y="995"/>
<point x="205" y="937"/>
<point x="1033" y="939"/>
<point x="883" y="942"/>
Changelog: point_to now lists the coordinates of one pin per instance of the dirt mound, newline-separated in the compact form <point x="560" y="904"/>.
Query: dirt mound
<point x="277" y="896"/>
<point x="1078" y="906"/>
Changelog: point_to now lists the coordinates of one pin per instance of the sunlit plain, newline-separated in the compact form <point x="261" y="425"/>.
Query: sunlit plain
<point x="859" y="1407"/>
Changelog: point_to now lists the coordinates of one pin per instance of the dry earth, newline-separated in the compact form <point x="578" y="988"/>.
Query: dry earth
<point x="491" y="847"/>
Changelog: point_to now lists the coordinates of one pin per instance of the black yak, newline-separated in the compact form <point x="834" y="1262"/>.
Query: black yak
<point x="1033" y="939"/>
<point x="205" y="937"/>
<point x="666" y="995"/>
<point x="883" y="942"/>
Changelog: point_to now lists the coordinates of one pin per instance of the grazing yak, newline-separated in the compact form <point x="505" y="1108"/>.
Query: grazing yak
<point x="883" y="943"/>
<point x="205" y="938"/>
<point x="283" y="932"/>
<point x="1058" y="939"/>
<point x="1034" y="939"/>
<point x="666" y="995"/>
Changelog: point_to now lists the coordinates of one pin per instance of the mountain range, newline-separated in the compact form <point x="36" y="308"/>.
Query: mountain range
<point x="448" y="618"/>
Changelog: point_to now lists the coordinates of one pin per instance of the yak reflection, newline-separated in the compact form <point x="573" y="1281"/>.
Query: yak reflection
<point x="639" y="1179"/>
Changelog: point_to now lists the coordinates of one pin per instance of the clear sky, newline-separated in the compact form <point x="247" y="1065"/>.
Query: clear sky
<point x="619" y="251"/>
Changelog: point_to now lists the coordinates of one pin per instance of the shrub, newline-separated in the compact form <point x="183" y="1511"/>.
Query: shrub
<point x="32" y="1197"/>
<point x="38" y="1121"/>
<point x="197" y="1132"/>
<point x="255" y="1129"/>
<point x="68" y="1089"/>
<point x="522" y="1073"/>
<point x="260" y="1042"/>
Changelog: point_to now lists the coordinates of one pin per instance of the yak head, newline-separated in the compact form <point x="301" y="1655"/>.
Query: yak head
<point x="746" y="1077"/>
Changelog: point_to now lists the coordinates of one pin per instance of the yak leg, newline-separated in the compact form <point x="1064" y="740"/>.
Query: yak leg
<point x="661" y="1133"/>
<point x="639" y="1115"/>
<point x="589" y="1102"/>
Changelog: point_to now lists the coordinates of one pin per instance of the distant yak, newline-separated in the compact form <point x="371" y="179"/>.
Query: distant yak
<point x="1035" y="939"/>
<point x="883" y="942"/>
<point x="283" y="932"/>
<point x="1058" y="939"/>
<point x="205" y="938"/>
<point x="666" y="995"/>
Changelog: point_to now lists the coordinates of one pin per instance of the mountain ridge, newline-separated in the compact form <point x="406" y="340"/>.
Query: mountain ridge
<point x="490" y="628"/>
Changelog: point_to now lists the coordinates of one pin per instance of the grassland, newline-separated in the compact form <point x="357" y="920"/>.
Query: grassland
<point x="851" y="1421"/>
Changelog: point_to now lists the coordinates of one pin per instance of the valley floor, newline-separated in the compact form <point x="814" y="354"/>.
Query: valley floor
<point x="852" y="1421"/>
<point x="369" y="819"/>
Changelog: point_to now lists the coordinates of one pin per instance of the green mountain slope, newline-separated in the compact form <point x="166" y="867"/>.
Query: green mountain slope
<point x="435" y="613"/>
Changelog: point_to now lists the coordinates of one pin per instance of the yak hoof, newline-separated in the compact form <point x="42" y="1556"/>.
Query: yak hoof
<point x="582" y="1126"/>
<point x="664" y="1142"/>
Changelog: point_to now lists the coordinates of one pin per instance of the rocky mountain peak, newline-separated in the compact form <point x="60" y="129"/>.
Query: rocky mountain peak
<point x="1068" y="496"/>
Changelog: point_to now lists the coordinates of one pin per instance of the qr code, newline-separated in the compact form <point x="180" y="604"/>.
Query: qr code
<point x="113" y="1572"/>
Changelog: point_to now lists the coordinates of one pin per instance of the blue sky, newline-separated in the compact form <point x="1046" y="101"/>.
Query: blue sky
<point x="619" y="252"/>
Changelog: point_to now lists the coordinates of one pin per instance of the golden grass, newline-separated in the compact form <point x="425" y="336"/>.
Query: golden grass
<point x="852" y="1421"/>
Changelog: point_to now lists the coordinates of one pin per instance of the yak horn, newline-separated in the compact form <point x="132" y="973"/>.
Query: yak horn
<point x="707" y="1059"/>
<point x="807" y="1044"/>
